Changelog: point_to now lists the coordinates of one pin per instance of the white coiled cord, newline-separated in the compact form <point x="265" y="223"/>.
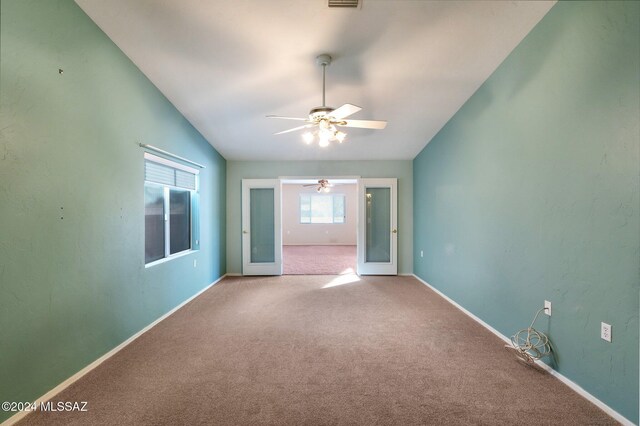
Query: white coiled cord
<point x="530" y="344"/>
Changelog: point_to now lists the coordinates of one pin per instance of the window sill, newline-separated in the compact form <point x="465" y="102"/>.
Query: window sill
<point x="167" y="259"/>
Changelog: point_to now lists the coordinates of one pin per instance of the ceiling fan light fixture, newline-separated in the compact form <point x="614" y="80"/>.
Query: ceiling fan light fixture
<point x="307" y="137"/>
<point x="326" y="133"/>
<point x="323" y="140"/>
<point x="340" y="136"/>
<point x="324" y="124"/>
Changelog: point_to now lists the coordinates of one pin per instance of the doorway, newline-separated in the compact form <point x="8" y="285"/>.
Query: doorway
<point x="304" y="241"/>
<point x="319" y="226"/>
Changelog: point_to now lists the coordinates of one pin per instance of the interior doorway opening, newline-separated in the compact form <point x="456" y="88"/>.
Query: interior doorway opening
<point x="374" y="213"/>
<point x="319" y="226"/>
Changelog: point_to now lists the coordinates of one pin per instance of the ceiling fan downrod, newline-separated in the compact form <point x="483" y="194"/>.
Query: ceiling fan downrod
<point x="323" y="60"/>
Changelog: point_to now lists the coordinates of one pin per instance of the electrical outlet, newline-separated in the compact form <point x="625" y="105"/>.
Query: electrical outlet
<point x="421" y="253"/>
<point x="195" y="263"/>
<point x="605" y="331"/>
<point x="547" y="307"/>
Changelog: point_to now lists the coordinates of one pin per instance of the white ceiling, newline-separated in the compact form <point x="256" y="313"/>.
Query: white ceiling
<point x="227" y="64"/>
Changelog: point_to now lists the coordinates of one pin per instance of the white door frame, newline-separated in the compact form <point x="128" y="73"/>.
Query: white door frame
<point x="276" y="267"/>
<point x="377" y="268"/>
<point x="271" y="268"/>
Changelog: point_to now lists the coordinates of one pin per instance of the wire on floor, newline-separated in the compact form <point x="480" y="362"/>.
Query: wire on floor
<point x="530" y="344"/>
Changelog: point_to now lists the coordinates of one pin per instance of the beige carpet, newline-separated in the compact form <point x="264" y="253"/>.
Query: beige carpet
<point x="320" y="350"/>
<point x="318" y="260"/>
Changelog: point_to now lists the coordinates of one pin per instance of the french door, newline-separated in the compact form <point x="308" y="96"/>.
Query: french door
<point x="261" y="227"/>
<point x="377" y="227"/>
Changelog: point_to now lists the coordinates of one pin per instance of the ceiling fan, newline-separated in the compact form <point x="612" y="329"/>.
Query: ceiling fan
<point x="327" y="119"/>
<point x="323" y="185"/>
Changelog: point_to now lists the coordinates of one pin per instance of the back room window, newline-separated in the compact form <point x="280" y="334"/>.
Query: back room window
<point x="322" y="208"/>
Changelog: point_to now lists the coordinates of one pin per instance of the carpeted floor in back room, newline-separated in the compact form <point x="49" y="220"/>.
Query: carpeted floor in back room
<point x="319" y="260"/>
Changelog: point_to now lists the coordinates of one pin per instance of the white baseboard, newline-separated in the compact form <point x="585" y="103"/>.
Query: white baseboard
<point x="319" y="244"/>
<point x="236" y="274"/>
<point x="62" y="386"/>
<point x="577" y="388"/>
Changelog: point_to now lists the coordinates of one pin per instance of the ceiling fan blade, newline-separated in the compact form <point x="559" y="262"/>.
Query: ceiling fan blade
<point x="287" y="118"/>
<point x="364" y="124"/>
<point x="306" y="126"/>
<point x="345" y="111"/>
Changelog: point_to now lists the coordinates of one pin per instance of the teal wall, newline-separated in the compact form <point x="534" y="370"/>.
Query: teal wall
<point x="72" y="289"/>
<point x="238" y="170"/>
<point x="531" y="192"/>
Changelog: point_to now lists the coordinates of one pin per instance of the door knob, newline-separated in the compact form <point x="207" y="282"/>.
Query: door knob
<point x="395" y="231"/>
<point x="245" y="232"/>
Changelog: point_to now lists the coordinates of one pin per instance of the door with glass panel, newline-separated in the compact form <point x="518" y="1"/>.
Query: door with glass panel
<point x="261" y="227"/>
<point x="377" y="227"/>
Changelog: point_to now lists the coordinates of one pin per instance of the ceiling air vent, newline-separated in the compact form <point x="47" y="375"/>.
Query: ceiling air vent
<point x="344" y="3"/>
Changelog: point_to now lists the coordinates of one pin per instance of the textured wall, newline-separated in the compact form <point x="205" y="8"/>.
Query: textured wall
<point x="72" y="278"/>
<point x="238" y="170"/>
<point x="530" y="192"/>
<point x="296" y="233"/>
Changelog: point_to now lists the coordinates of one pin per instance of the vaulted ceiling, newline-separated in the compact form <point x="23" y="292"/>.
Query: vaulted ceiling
<point x="227" y="64"/>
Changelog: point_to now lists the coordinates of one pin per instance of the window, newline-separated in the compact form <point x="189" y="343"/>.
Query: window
<point x="170" y="208"/>
<point x="322" y="208"/>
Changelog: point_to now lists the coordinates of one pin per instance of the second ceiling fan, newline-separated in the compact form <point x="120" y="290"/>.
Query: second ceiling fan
<point x="323" y="185"/>
<point x="327" y="119"/>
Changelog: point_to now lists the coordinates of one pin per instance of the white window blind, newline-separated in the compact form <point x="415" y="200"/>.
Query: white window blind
<point x="157" y="170"/>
